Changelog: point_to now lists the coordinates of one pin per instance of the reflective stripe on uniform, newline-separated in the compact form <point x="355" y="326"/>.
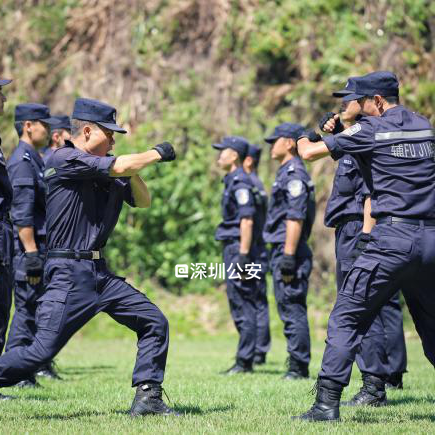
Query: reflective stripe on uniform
<point x="417" y="134"/>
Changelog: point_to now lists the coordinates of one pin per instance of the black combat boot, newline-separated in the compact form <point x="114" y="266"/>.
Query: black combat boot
<point x="296" y="369"/>
<point x="394" y="381"/>
<point x="48" y="371"/>
<point x="372" y="392"/>
<point x="327" y="404"/>
<point x="241" y="366"/>
<point x="148" y="401"/>
<point x="27" y="383"/>
<point x="260" y="359"/>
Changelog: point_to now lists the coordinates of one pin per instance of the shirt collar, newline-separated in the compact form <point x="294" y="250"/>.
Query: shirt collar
<point x="32" y="151"/>
<point x="393" y="110"/>
<point x="229" y="177"/>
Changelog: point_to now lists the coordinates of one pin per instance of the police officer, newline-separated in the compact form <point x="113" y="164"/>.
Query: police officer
<point x="26" y="169"/>
<point x="250" y="166"/>
<point x="383" y="348"/>
<point x="236" y="233"/>
<point x="85" y="192"/>
<point x="6" y="238"/>
<point x="58" y="136"/>
<point x="395" y="151"/>
<point x="288" y="226"/>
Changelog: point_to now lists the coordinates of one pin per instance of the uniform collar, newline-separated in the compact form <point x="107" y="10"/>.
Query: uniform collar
<point x="32" y="151"/>
<point x="294" y="161"/>
<point x="393" y="110"/>
<point x="230" y="176"/>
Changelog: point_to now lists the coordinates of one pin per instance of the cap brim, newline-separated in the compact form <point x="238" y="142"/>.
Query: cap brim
<point x="352" y="97"/>
<point x="113" y="127"/>
<point x="50" y="121"/>
<point x="4" y="82"/>
<point x="342" y="93"/>
<point x="219" y="146"/>
<point x="271" y="139"/>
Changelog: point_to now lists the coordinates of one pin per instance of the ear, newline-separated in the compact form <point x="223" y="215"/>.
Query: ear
<point x="379" y="101"/>
<point x="290" y="144"/>
<point x="27" y="126"/>
<point x="87" y="131"/>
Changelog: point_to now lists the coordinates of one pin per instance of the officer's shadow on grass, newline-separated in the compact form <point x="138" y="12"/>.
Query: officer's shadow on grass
<point x="195" y="410"/>
<point x="409" y="400"/>
<point x="88" y="369"/>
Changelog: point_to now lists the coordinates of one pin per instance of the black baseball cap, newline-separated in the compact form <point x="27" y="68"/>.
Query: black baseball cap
<point x="287" y="129"/>
<point x="34" y="112"/>
<point x="236" y="143"/>
<point x="382" y="83"/>
<point x="98" y="112"/>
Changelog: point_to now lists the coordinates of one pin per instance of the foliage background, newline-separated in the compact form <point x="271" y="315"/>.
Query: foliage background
<point x="191" y="71"/>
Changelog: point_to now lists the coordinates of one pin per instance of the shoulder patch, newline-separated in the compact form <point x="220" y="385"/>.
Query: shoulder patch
<point x="290" y="169"/>
<point x="352" y="130"/>
<point x="295" y="188"/>
<point x="26" y="156"/>
<point x="49" y="172"/>
<point x="242" y="196"/>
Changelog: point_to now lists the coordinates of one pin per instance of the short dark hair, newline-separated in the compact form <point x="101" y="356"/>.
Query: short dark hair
<point x="19" y="127"/>
<point x="56" y="130"/>
<point x="394" y="99"/>
<point x="77" y="126"/>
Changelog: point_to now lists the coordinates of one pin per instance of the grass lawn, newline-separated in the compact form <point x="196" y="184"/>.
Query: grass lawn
<point x="95" y="394"/>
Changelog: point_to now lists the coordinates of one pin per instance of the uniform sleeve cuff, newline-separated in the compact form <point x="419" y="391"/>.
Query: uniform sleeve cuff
<point x="295" y="217"/>
<point x="23" y="222"/>
<point x="331" y="144"/>
<point x="247" y="212"/>
<point x="105" y="163"/>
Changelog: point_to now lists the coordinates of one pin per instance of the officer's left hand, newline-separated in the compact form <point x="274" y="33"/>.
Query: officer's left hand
<point x="34" y="266"/>
<point x="362" y="242"/>
<point x="242" y="261"/>
<point x="287" y="266"/>
<point x="166" y="151"/>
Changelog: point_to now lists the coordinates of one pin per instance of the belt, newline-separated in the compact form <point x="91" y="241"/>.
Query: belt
<point x="349" y="218"/>
<point x="75" y="255"/>
<point x="397" y="220"/>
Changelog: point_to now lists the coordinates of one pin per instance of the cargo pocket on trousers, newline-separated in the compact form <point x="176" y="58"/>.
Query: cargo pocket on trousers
<point x="357" y="283"/>
<point x="50" y="310"/>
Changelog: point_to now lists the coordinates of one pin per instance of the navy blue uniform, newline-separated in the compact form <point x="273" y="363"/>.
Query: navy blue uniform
<point x="6" y="250"/>
<point x="396" y="155"/>
<point x="238" y="203"/>
<point x="383" y="348"/>
<point x="83" y="206"/>
<point x="263" y="330"/>
<point x="292" y="197"/>
<point x="26" y="172"/>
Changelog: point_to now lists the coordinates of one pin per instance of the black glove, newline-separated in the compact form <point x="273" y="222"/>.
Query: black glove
<point x="287" y="265"/>
<point x="363" y="240"/>
<point x="311" y="135"/>
<point x="338" y="125"/>
<point x="166" y="151"/>
<point x="242" y="261"/>
<point x="34" y="264"/>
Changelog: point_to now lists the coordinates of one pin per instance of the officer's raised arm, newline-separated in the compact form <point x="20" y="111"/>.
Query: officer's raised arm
<point x="130" y="164"/>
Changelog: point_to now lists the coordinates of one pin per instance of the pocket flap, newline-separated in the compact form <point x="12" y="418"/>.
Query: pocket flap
<point x="366" y="263"/>
<point x="54" y="295"/>
<point x="395" y="244"/>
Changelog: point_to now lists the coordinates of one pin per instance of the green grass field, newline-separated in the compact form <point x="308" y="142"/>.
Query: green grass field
<point x="95" y="394"/>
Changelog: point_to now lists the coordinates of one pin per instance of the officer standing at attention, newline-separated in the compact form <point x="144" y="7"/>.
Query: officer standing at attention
<point x="288" y="226"/>
<point x="85" y="192"/>
<point x="6" y="237"/>
<point x="250" y="166"/>
<point x="58" y="136"/>
<point x="394" y="148"/>
<point x="236" y="231"/>
<point x="26" y="172"/>
<point x="383" y="348"/>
